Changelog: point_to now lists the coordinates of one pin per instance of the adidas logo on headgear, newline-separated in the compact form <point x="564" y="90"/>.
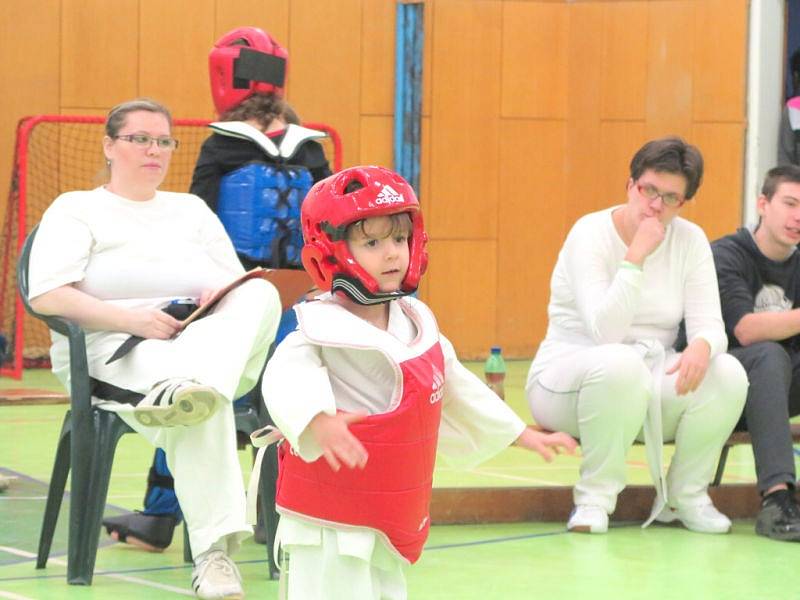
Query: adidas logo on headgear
<point x="388" y="196"/>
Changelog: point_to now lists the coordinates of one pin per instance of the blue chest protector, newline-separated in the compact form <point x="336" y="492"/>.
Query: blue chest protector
<point x="259" y="203"/>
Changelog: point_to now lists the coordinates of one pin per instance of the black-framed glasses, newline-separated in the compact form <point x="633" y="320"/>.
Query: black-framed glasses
<point x="143" y="140"/>
<point x="651" y="192"/>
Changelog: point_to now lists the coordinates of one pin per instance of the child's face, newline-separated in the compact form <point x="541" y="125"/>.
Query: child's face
<point x="381" y="248"/>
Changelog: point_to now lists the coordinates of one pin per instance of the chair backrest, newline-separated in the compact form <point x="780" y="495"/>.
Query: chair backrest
<point x="55" y="323"/>
<point x="22" y="269"/>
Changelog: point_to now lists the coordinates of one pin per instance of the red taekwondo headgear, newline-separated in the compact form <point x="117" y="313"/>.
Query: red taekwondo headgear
<point x="327" y="211"/>
<point x="244" y="62"/>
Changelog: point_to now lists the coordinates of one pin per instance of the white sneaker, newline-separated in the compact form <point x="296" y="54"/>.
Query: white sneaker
<point x="176" y="402"/>
<point x="216" y="577"/>
<point x="703" y="518"/>
<point x="586" y="518"/>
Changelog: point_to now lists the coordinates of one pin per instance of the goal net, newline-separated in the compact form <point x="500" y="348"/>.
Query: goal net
<point x="55" y="154"/>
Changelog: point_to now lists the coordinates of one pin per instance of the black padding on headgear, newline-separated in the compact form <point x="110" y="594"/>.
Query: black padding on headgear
<point x="253" y="65"/>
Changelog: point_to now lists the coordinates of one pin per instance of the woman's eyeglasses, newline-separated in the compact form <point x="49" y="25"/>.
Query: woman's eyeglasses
<point x="651" y="192"/>
<point x="143" y="140"/>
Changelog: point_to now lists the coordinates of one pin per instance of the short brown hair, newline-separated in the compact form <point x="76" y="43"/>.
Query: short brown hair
<point x="777" y="176"/>
<point x="670" y="155"/>
<point x="398" y="223"/>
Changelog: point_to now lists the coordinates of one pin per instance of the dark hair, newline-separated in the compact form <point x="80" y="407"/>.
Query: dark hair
<point x="777" y="176"/>
<point x="670" y="155"/>
<point x="794" y="62"/>
<point x="262" y="108"/>
<point x="117" y="115"/>
<point x="289" y="114"/>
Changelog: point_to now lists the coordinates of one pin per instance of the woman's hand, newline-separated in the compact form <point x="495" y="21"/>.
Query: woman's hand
<point x="691" y="366"/>
<point x="152" y="323"/>
<point x="545" y="443"/>
<point x="648" y="236"/>
<point x="338" y="445"/>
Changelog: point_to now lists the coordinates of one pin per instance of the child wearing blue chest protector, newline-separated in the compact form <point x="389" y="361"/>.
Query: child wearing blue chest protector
<point x="365" y="392"/>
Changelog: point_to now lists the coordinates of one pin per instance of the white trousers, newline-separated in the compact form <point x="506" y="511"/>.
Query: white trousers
<point x="600" y="395"/>
<point x="322" y="572"/>
<point x="225" y="350"/>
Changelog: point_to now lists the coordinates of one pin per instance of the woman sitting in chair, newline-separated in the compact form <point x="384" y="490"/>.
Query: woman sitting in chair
<point x="119" y="260"/>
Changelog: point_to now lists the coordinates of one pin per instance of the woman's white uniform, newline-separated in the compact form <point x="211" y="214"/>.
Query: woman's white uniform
<point x="147" y="254"/>
<point x="303" y="379"/>
<point x="600" y="373"/>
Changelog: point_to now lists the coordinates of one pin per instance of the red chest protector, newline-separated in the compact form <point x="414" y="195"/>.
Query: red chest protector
<point x="392" y="493"/>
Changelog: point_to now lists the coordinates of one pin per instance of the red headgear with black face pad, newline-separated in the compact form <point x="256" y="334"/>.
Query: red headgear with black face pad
<point x="327" y="211"/>
<point x="244" y="62"/>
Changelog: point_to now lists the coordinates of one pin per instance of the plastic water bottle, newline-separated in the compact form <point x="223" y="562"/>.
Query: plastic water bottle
<point x="495" y="370"/>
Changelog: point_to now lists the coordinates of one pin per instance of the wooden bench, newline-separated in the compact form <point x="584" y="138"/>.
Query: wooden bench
<point x="31" y="397"/>
<point x="743" y="437"/>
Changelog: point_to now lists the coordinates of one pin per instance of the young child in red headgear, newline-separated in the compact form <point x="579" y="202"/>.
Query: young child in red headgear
<point x="365" y="392"/>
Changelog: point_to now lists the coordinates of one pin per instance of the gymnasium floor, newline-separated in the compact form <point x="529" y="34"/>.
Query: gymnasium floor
<point x="521" y="560"/>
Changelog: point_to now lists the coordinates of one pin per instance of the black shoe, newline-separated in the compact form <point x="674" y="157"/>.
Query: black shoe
<point x="779" y="517"/>
<point x="151" y="532"/>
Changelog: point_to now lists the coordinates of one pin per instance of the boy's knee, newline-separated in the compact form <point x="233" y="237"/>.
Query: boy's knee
<point x="770" y="357"/>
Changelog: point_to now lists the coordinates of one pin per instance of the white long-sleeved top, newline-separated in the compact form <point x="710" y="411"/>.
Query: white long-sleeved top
<point x="303" y="379"/>
<point x="135" y="254"/>
<point x="594" y="299"/>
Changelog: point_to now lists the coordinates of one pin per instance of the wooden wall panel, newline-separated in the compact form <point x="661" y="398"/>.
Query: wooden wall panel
<point x="670" y="50"/>
<point x="427" y="54"/>
<point x="377" y="58"/>
<point x="532" y="222"/>
<point x="326" y="66"/>
<point x="717" y="206"/>
<point x="375" y="145"/>
<point x="621" y="140"/>
<point x="464" y="119"/>
<point x="534" y="60"/>
<point x="173" y="65"/>
<point x="425" y="162"/>
<point x="584" y="170"/>
<point x="270" y="15"/>
<point x="720" y="60"/>
<point x="624" y="71"/>
<point x="460" y="288"/>
<point x="528" y="101"/>
<point x="99" y="48"/>
<point x="30" y="73"/>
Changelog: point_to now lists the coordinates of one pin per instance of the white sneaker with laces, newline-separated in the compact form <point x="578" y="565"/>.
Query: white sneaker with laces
<point x="703" y="518"/>
<point x="586" y="518"/>
<point x="215" y="577"/>
<point x="174" y="402"/>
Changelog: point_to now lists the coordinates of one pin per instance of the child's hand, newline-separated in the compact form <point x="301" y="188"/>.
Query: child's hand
<point x="545" y="443"/>
<point x="336" y="441"/>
